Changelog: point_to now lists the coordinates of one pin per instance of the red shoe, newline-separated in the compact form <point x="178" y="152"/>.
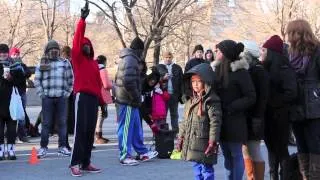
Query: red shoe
<point x="75" y="171"/>
<point x="91" y="169"/>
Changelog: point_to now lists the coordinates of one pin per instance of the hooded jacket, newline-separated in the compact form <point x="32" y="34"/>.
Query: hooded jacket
<point x="193" y="62"/>
<point x="86" y="71"/>
<point x="197" y="130"/>
<point x="128" y="80"/>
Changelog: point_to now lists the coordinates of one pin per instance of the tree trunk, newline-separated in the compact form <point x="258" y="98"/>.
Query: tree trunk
<point x="156" y="53"/>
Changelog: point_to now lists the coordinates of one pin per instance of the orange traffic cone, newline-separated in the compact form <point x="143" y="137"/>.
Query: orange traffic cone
<point x="33" y="157"/>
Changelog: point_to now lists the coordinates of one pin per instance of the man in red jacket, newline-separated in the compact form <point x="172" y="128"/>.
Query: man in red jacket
<point x="87" y="88"/>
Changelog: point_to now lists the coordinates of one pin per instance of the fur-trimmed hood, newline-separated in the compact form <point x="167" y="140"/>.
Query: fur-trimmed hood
<point x="235" y="65"/>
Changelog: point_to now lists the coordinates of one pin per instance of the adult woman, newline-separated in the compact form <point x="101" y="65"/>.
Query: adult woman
<point x="282" y="92"/>
<point x="237" y="93"/>
<point x="304" y="56"/>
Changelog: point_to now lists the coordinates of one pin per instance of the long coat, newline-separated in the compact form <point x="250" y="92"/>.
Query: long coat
<point x="196" y="130"/>
<point x="236" y="99"/>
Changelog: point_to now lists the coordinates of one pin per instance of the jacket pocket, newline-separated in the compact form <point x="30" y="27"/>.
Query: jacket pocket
<point x="312" y="102"/>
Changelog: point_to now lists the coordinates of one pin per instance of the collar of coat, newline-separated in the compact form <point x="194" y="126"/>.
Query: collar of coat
<point x="239" y="64"/>
<point x="235" y="65"/>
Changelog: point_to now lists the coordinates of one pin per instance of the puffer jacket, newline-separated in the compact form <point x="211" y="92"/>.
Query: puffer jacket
<point x="128" y="80"/>
<point x="196" y="131"/>
<point x="236" y="100"/>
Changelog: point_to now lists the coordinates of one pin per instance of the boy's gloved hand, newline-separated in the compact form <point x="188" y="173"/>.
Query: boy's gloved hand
<point x="211" y="148"/>
<point x="154" y="128"/>
<point x="179" y="144"/>
<point x="85" y="10"/>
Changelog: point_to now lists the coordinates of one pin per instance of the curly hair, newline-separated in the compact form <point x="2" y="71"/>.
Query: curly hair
<point x="302" y="39"/>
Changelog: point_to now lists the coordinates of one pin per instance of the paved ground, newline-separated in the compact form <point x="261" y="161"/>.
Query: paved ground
<point x="106" y="157"/>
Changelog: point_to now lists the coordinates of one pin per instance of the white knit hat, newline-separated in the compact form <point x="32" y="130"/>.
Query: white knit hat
<point x="252" y="47"/>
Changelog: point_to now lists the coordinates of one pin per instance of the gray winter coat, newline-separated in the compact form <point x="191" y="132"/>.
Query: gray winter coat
<point x="127" y="81"/>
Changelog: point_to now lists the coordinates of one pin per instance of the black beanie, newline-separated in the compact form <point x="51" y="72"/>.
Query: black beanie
<point x="137" y="44"/>
<point x="197" y="47"/>
<point x="230" y="49"/>
<point x="4" y="48"/>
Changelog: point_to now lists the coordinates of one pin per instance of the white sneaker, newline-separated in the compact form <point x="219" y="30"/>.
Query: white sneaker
<point x="42" y="152"/>
<point x="2" y="152"/>
<point x="148" y="156"/>
<point x="64" y="151"/>
<point x="129" y="162"/>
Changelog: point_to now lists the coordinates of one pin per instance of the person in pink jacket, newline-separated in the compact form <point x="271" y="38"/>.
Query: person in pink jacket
<point x="160" y="98"/>
<point x="106" y="96"/>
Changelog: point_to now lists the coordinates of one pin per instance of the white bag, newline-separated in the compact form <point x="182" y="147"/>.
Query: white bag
<point x="16" y="107"/>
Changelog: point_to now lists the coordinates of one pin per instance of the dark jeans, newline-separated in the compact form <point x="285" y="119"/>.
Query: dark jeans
<point x="307" y="136"/>
<point x="54" y="107"/>
<point x="233" y="160"/>
<point x="172" y="106"/>
<point x="22" y="123"/>
<point x="11" y="130"/>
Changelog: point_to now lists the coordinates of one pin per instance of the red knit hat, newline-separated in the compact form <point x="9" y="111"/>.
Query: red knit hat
<point x="274" y="43"/>
<point x="14" y="50"/>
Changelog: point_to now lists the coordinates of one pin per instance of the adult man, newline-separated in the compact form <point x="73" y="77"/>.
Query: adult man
<point x="197" y="57"/>
<point x="172" y="73"/>
<point x="128" y="97"/>
<point x="54" y="83"/>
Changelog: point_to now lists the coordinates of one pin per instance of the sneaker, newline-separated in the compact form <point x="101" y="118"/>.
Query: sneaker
<point x="91" y="169"/>
<point x="129" y="162"/>
<point x="64" y="151"/>
<point x="2" y="152"/>
<point x="11" y="152"/>
<point x="24" y="139"/>
<point x="42" y="152"/>
<point x="75" y="171"/>
<point x="148" y="156"/>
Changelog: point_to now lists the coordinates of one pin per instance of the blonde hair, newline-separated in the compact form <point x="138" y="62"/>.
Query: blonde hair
<point x="302" y="39"/>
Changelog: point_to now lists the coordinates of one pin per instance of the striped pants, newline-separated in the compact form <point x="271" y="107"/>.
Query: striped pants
<point x="130" y="132"/>
<point x="86" y="109"/>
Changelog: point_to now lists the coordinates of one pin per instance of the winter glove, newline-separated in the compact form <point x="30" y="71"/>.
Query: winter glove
<point x="154" y="128"/>
<point x="211" y="148"/>
<point x="85" y="10"/>
<point x="179" y="144"/>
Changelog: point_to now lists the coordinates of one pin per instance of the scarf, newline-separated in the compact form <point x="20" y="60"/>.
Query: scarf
<point x="299" y="63"/>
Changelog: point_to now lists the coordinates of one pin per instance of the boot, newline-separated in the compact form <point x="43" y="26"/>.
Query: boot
<point x="303" y="160"/>
<point x="11" y="152"/>
<point x="259" y="170"/>
<point x="314" y="167"/>
<point x="100" y="139"/>
<point x="2" y="152"/>
<point x="248" y="163"/>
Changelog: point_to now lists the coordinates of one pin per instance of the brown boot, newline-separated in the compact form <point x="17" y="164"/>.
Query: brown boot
<point x="303" y="160"/>
<point x="100" y="139"/>
<point x="314" y="167"/>
<point x="248" y="163"/>
<point x="259" y="170"/>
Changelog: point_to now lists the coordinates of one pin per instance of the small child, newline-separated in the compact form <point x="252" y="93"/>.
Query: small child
<point x="200" y="130"/>
<point x="160" y="97"/>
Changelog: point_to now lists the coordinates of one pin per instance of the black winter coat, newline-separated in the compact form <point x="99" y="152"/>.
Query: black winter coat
<point x="236" y="100"/>
<point x="128" y="80"/>
<point x="177" y="78"/>
<point x="256" y="114"/>
<point x="6" y="87"/>
<point x="193" y="62"/>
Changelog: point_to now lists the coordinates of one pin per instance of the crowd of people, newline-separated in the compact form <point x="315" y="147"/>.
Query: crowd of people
<point x="234" y="97"/>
